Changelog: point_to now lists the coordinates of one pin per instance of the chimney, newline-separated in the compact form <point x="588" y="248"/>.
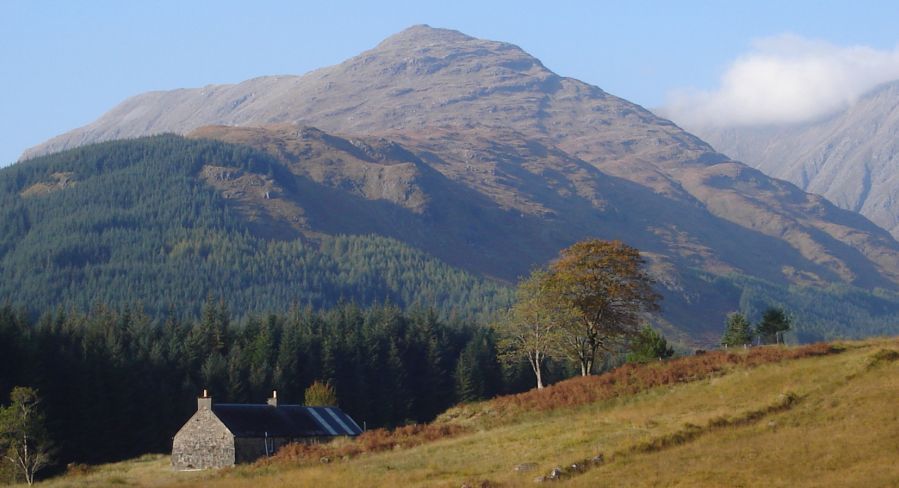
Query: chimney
<point x="204" y="402"/>
<point x="273" y="401"/>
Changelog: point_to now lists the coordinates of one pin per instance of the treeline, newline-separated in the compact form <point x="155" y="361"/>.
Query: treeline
<point x="822" y="313"/>
<point x="116" y="383"/>
<point x="136" y="224"/>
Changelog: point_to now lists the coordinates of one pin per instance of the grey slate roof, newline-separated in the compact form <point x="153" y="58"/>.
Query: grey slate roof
<point x="291" y="421"/>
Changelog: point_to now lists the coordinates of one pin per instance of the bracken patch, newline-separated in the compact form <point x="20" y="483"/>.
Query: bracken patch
<point x="374" y="440"/>
<point x="631" y="378"/>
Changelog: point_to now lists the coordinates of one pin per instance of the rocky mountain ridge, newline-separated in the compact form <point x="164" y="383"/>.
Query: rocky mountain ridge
<point x="849" y="157"/>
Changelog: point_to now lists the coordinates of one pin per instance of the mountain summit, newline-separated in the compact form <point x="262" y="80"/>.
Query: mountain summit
<point x="475" y="152"/>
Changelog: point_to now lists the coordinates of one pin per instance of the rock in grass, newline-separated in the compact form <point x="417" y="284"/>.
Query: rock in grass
<point x="556" y="474"/>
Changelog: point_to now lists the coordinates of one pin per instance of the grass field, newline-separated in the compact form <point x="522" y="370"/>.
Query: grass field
<point x="826" y="418"/>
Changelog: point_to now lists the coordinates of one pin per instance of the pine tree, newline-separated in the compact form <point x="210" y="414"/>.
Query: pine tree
<point x="397" y="394"/>
<point x="469" y="384"/>
<point x="237" y="381"/>
<point x="774" y="322"/>
<point x="738" y="330"/>
<point x="649" y="346"/>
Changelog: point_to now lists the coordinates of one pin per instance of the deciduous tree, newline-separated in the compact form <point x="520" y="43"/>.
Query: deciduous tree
<point x="607" y="285"/>
<point x="23" y="439"/>
<point x="532" y="327"/>
<point x="320" y="395"/>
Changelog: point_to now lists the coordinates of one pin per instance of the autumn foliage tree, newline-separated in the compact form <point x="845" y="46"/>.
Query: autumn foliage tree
<point x="610" y="291"/>
<point x="593" y="298"/>
<point x="320" y="394"/>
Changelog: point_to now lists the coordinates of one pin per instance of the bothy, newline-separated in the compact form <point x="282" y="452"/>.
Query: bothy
<point x="220" y="435"/>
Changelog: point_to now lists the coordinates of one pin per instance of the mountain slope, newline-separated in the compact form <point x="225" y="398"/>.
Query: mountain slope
<point x="420" y="78"/>
<point x="849" y="157"/>
<point x="137" y="224"/>
<point x="474" y="152"/>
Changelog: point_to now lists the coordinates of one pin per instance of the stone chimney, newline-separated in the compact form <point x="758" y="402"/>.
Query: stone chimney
<point x="273" y="401"/>
<point x="204" y="402"/>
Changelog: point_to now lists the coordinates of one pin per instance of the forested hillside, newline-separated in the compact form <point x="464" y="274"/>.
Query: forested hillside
<point x="141" y="222"/>
<point x="130" y="221"/>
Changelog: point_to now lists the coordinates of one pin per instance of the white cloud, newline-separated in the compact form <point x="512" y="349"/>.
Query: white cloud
<point x="785" y="79"/>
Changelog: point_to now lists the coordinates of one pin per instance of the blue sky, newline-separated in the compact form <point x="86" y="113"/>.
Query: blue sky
<point x="64" y="63"/>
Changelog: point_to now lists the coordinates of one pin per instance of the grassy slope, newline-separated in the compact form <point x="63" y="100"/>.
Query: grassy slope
<point x="827" y="420"/>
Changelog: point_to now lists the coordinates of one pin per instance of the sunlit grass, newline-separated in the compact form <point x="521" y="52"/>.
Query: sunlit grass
<point x="822" y="420"/>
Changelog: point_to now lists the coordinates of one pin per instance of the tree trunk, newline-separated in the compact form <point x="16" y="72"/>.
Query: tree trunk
<point x="586" y="366"/>
<point x="535" y="361"/>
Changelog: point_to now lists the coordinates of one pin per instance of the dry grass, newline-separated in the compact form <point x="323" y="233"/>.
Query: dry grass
<point x="846" y="435"/>
<point x="152" y="470"/>
<point x="753" y="418"/>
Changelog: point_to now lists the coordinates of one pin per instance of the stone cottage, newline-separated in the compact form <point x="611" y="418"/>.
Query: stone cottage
<point x="220" y="435"/>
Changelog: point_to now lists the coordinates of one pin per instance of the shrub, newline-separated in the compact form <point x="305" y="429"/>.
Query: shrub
<point x="320" y="395"/>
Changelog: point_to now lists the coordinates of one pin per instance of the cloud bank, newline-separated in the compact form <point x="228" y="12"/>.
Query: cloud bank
<point x="785" y="79"/>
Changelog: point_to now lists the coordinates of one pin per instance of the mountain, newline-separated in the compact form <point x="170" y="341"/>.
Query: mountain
<point x="473" y="152"/>
<point x="849" y="157"/>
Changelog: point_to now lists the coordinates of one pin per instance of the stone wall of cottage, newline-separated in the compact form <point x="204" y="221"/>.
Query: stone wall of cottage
<point x="204" y="442"/>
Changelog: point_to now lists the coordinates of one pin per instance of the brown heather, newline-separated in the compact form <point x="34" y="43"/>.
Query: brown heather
<point x="630" y="378"/>
<point x="374" y="440"/>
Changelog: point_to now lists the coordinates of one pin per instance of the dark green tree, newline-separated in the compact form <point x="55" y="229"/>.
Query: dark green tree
<point x="469" y="383"/>
<point x="737" y="330"/>
<point x="649" y="345"/>
<point x="773" y="324"/>
<point x="478" y="375"/>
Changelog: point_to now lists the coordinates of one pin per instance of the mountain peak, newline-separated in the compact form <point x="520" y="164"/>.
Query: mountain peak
<point x="423" y="34"/>
<point x="424" y="43"/>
